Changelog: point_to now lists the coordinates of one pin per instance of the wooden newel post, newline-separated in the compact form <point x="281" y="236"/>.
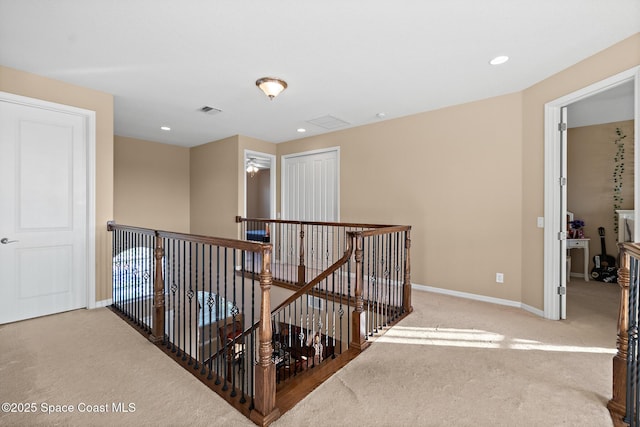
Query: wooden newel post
<point x="358" y="319"/>
<point x="617" y="405"/>
<point x="265" y="371"/>
<point x="301" y="268"/>
<point x="157" y="327"/>
<point x="406" y="291"/>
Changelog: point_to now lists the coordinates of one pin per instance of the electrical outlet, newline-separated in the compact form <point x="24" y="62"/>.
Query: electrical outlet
<point x="540" y="222"/>
<point x="499" y="278"/>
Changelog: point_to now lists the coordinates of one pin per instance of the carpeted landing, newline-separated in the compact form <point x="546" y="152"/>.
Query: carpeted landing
<point x="453" y="362"/>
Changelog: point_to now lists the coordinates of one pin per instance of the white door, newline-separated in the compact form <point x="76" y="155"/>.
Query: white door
<point x="310" y="186"/>
<point x="43" y="211"/>
<point x="310" y="192"/>
<point x="562" y="280"/>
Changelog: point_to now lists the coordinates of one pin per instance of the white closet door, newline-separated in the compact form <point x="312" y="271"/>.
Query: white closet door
<point x="310" y="186"/>
<point x="310" y="192"/>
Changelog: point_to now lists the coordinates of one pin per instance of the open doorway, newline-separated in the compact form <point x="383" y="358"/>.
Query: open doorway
<point x="259" y="185"/>
<point x="600" y="197"/>
<point x="556" y="183"/>
<point x="600" y="171"/>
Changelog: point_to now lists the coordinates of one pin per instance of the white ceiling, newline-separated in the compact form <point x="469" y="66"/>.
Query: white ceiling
<point x="165" y="59"/>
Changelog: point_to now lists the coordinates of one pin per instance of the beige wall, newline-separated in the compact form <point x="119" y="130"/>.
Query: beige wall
<point x="619" y="57"/>
<point x="38" y="87"/>
<point x="151" y="185"/>
<point x="214" y="179"/>
<point x="454" y="176"/>
<point x="590" y="164"/>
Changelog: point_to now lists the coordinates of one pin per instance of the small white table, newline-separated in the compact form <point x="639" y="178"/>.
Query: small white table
<point x="584" y="245"/>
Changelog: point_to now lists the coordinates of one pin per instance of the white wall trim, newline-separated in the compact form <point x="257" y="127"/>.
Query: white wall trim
<point x="90" y="130"/>
<point x="103" y="303"/>
<point x="477" y="297"/>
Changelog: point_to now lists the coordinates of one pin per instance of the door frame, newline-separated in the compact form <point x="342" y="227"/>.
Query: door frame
<point x="272" y="179"/>
<point x="283" y="177"/>
<point x="553" y="168"/>
<point x="89" y="119"/>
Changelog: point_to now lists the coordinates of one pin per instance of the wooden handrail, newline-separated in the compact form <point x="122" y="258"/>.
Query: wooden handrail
<point x="326" y="273"/>
<point x="195" y="238"/>
<point x="288" y="221"/>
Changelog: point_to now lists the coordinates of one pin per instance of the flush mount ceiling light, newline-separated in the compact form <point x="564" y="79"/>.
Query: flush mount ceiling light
<point x="271" y="86"/>
<point x="165" y="128"/>
<point x="499" y="60"/>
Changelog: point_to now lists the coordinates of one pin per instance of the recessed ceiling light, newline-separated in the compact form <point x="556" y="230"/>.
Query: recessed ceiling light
<point x="499" y="60"/>
<point x="167" y="128"/>
<point x="302" y="130"/>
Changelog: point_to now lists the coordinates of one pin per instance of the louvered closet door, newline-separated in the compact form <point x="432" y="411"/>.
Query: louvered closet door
<point x="310" y="190"/>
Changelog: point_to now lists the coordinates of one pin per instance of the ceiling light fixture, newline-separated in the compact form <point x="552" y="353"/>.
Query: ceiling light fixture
<point x="252" y="169"/>
<point x="167" y="128"/>
<point x="271" y="86"/>
<point x="302" y="130"/>
<point x="499" y="60"/>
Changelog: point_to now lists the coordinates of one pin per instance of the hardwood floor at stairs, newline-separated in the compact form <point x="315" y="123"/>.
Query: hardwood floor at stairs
<point x="290" y="392"/>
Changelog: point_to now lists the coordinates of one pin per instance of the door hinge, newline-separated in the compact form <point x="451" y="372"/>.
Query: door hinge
<point x="562" y="127"/>
<point x="563" y="181"/>
<point x="562" y="235"/>
<point x="562" y="290"/>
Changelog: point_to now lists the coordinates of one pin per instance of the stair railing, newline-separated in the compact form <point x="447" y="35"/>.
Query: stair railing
<point x="624" y="405"/>
<point x="194" y="296"/>
<point x="188" y="293"/>
<point x="365" y="291"/>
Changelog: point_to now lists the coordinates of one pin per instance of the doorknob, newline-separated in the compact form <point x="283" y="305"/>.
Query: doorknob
<point x="6" y="241"/>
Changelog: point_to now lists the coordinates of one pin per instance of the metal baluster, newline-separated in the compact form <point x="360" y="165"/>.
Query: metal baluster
<point x="138" y="293"/>
<point x="174" y="288"/>
<point x="387" y="275"/>
<point x="179" y="301"/>
<point x="199" y="306"/>
<point x="211" y="302"/>
<point x="333" y="309"/>
<point x="149" y="276"/>
<point x="370" y="294"/>
<point x="252" y="351"/>
<point x="341" y="312"/>
<point x="190" y="296"/>
<point x="233" y="328"/>
<point x="242" y="361"/>
<point x="184" y="300"/>
<point x="225" y="356"/>
<point x="116" y="267"/>
<point x="219" y="307"/>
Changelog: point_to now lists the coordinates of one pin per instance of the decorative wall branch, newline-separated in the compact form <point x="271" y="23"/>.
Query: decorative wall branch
<point x="618" y="175"/>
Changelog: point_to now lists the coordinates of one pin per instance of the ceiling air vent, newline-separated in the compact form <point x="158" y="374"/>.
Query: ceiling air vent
<point x="329" y="122"/>
<point x="210" y="110"/>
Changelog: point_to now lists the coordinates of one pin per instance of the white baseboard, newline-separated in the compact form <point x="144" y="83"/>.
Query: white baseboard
<point x="476" y="297"/>
<point x="103" y="303"/>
